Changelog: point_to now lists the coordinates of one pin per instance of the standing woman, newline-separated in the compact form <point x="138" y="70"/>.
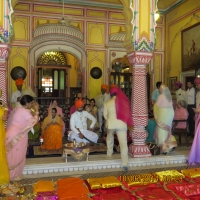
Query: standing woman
<point x="164" y="115"/>
<point x="4" y="172"/>
<point x="20" y="123"/>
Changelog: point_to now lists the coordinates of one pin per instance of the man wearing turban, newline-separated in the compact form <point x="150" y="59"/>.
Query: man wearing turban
<point x="180" y="93"/>
<point x="16" y="96"/>
<point x="78" y="125"/>
<point x="100" y="100"/>
<point x="117" y="112"/>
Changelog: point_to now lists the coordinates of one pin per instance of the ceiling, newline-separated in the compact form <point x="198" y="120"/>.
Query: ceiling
<point x="164" y="6"/>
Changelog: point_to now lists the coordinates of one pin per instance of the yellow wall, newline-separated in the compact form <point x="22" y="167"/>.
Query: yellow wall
<point x="1" y="13"/>
<point x="95" y="23"/>
<point x="95" y="59"/>
<point x="176" y="20"/>
<point x="18" y="57"/>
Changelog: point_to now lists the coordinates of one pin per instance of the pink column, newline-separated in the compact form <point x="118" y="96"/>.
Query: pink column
<point x="4" y="52"/>
<point x="139" y="61"/>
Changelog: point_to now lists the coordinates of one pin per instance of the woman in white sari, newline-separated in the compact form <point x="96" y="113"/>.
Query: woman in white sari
<point x="164" y="115"/>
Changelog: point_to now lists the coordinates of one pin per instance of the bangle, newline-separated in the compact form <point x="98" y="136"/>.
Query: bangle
<point x="5" y="108"/>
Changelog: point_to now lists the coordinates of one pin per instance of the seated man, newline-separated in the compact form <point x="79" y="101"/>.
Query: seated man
<point x="78" y="124"/>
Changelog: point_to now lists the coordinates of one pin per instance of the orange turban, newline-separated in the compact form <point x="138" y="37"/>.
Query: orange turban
<point x="113" y="86"/>
<point x="79" y="103"/>
<point x="104" y="87"/>
<point x="19" y="81"/>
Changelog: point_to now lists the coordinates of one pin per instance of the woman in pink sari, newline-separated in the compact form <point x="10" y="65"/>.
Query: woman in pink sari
<point x="54" y="104"/>
<point x="20" y="122"/>
<point x="194" y="156"/>
<point x="181" y="113"/>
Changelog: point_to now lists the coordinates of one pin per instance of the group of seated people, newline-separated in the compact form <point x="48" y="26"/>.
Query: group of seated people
<point x="53" y="126"/>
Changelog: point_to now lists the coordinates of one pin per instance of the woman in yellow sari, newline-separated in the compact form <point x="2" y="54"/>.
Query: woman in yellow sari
<point x="164" y="115"/>
<point x="52" y="131"/>
<point x="4" y="172"/>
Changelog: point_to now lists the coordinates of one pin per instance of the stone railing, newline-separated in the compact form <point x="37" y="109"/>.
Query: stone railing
<point x="117" y="39"/>
<point x="47" y="29"/>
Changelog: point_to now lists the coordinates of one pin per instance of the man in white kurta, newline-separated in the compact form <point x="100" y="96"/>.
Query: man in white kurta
<point x="78" y="125"/>
<point x="99" y="101"/>
<point x="180" y="93"/>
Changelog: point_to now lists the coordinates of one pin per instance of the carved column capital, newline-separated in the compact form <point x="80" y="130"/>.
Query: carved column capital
<point x="140" y="58"/>
<point x="4" y="53"/>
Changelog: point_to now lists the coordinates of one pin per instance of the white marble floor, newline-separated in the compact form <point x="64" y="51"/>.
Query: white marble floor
<point x="56" y="166"/>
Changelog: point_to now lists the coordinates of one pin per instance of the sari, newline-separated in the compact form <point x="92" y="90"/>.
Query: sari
<point x="4" y="172"/>
<point x="60" y="113"/>
<point x="52" y="132"/>
<point x="164" y="118"/>
<point x="93" y="112"/>
<point x="181" y="113"/>
<point x="72" y="109"/>
<point x="194" y="156"/>
<point x="20" y="123"/>
<point x="151" y="127"/>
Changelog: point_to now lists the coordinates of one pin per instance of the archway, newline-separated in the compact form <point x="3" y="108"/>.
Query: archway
<point x="61" y="46"/>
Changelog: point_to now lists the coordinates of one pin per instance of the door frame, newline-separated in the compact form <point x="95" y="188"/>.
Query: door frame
<point x="52" y="67"/>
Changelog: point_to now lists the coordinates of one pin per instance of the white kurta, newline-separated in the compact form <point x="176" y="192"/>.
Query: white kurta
<point x="181" y="95"/>
<point x="14" y="97"/>
<point x="191" y="96"/>
<point x="79" y="120"/>
<point x="100" y="100"/>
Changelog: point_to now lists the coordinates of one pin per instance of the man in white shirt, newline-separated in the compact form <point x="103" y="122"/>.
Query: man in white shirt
<point x="78" y="125"/>
<point x="180" y="93"/>
<point x="16" y="96"/>
<point x="99" y="101"/>
<point x="190" y="106"/>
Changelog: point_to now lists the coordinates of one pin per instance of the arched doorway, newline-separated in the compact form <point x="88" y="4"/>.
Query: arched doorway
<point x="58" y="38"/>
<point x="57" y="74"/>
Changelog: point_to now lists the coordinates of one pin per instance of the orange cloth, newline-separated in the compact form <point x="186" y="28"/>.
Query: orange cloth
<point x="52" y="133"/>
<point x="192" y="173"/>
<point x="79" y="103"/>
<point x="43" y="186"/>
<point x="72" y="188"/>
<point x="113" y="86"/>
<point x="105" y="87"/>
<point x="19" y="81"/>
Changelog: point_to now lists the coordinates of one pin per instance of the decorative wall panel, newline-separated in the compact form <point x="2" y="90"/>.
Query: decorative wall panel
<point x="96" y="33"/>
<point x="116" y="15"/>
<point x="96" y="13"/>
<point x="22" y="7"/>
<point x="57" y="10"/>
<point x="21" y="28"/>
